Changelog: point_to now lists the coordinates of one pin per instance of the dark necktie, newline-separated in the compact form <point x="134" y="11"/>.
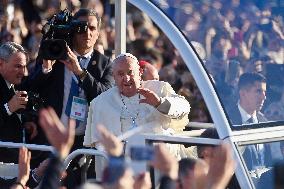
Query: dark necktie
<point x="12" y="90"/>
<point x="256" y="146"/>
<point x="250" y="120"/>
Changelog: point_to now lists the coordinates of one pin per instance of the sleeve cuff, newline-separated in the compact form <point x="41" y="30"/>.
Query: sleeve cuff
<point x="45" y="70"/>
<point x="165" y="106"/>
<point x="7" y="109"/>
<point x="36" y="178"/>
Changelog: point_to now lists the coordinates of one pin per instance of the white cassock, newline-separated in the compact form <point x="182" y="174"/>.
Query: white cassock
<point x="116" y="112"/>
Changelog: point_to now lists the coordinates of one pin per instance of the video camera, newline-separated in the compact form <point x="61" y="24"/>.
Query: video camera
<point x="58" y="33"/>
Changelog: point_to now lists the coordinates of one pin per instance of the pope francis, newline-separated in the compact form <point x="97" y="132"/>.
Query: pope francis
<point x="134" y="103"/>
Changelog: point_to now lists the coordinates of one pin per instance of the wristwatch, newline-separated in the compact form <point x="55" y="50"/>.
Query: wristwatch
<point x="83" y="74"/>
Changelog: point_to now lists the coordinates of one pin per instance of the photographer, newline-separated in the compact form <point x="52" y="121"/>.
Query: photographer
<point x="84" y="73"/>
<point x="13" y="61"/>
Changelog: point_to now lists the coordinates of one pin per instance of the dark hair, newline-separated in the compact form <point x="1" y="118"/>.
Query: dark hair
<point x="208" y="133"/>
<point x="184" y="165"/>
<point x="88" y="12"/>
<point x="248" y="79"/>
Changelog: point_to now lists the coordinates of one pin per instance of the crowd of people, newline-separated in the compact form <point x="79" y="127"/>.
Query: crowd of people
<point x="150" y="88"/>
<point x="186" y="173"/>
<point x="235" y="37"/>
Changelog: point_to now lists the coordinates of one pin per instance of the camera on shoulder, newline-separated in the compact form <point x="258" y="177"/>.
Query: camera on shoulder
<point x="58" y="33"/>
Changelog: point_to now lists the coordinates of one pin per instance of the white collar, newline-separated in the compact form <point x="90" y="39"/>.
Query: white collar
<point x="9" y="85"/>
<point x="245" y="116"/>
<point x="87" y="55"/>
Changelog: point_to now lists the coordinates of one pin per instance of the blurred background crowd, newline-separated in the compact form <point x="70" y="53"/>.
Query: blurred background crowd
<point x="230" y="36"/>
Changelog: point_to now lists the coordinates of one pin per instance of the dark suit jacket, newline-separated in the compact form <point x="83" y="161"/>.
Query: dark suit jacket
<point x="250" y="154"/>
<point x="10" y="126"/>
<point x="51" y="86"/>
<point x="236" y="118"/>
<point x="51" y="178"/>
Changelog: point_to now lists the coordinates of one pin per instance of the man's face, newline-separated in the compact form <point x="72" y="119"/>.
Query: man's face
<point x="127" y="76"/>
<point x="87" y="39"/>
<point x="253" y="97"/>
<point x="14" y="69"/>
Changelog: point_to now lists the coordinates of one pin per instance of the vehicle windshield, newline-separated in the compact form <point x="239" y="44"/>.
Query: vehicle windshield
<point x="241" y="44"/>
<point x="264" y="162"/>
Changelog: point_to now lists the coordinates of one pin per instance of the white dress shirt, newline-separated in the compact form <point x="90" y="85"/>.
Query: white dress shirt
<point x="245" y="117"/>
<point x="68" y="75"/>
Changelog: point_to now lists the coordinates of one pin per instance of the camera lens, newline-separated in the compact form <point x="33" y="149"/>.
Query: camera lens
<point x="55" y="49"/>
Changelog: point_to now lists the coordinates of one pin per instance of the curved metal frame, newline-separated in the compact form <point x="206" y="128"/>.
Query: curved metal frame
<point x="201" y="77"/>
<point x="83" y="151"/>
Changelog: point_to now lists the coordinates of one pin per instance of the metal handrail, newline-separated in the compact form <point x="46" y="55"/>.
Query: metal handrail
<point x="199" y="125"/>
<point x="29" y="146"/>
<point x="77" y="152"/>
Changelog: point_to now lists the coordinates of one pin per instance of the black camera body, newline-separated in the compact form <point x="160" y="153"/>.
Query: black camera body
<point x="58" y="33"/>
<point x="30" y="113"/>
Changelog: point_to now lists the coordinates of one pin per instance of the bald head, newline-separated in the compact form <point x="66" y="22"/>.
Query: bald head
<point x="150" y="72"/>
<point x="126" y="57"/>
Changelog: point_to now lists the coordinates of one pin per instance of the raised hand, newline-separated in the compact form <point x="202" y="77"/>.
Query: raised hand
<point x="59" y="136"/>
<point x="72" y="62"/>
<point x="111" y="143"/>
<point x="24" y="165"/>
<point x="143" y="181"/>
<point x="18" y="101"/>
<point x="151" y="98"/>
<point x="165" y="162"/>
<point x="221" y="168"/>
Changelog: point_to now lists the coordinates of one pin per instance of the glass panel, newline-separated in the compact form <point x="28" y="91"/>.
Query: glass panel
<point x="261" y="160"/>
<point x="151" y="45"/>
<point x="234" y="37"/>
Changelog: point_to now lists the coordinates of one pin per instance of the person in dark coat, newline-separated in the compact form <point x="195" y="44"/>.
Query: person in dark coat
<point x="13" y="62"/>
<point x="252" y="94"/>
<point x="70" y="85"/>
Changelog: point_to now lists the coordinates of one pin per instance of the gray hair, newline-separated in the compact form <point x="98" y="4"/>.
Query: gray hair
<point x="9" y="48"/>
<point x="125" y="55"/>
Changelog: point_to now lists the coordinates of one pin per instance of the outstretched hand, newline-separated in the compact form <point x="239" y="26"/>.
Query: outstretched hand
<point x="111" y="143"/>
<point x="165" y="162"/>
<point x="59" y="136"/>
<point x="221" y="168"/>
<point x="151" y="98"/>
